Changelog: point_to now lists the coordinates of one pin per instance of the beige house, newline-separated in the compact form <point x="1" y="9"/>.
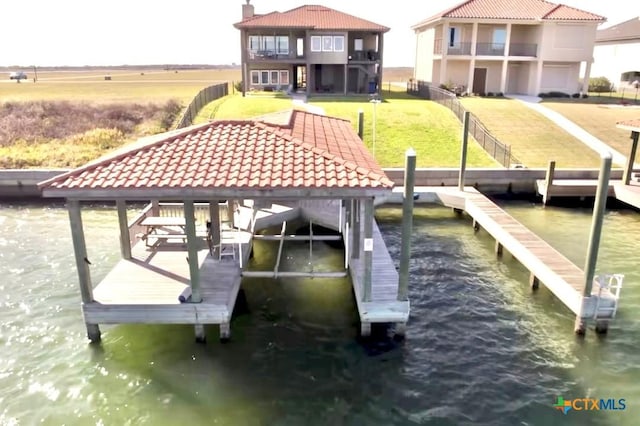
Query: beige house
<point x="617" y="54"/>
<point x="311" y="49"/>
<point x="505" y="46"/>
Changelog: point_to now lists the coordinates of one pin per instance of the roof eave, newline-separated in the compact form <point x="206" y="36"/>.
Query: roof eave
<point x="133" y="194"/>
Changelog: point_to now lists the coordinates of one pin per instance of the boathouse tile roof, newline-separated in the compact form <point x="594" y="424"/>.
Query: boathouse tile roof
<point x="310" y="151"/>
<point x="633" y="125"/>
<point x="314" y="17"/>
<point x="528" y="10"/>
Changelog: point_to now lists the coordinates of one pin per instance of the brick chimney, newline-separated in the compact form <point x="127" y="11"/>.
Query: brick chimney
<point x="247" y="10"/>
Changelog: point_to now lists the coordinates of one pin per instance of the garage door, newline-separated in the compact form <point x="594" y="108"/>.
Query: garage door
<point x="555" y="77"/>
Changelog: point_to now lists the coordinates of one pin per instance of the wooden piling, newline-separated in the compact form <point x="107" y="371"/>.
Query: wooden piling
<point x="82" y="263"/>
<point x="407" y="224"/>
<point x="498" y="249"/>
<point x="551" y="168"/>
<point x="355" y="248"/>
<point x="192" y="250"/>
<point x="463" y="151"/>
<point x="214" y="218"/>
<point x="125" y="241"/>
<point x="361" y="124"/>
<point x="628" y="170"/>
<point x="594" y="238"/>
<point x="534" y="282"/>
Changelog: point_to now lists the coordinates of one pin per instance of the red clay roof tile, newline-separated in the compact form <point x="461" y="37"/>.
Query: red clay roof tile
<point x="240" y="154"/>
<point x="514" y="9"/>
<point x="312" y="17"/>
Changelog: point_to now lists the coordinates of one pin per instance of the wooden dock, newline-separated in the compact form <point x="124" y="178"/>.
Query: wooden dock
<point x="628" y="194"/>
<point x="563" y="278"/>
<point x="146" y="288"/>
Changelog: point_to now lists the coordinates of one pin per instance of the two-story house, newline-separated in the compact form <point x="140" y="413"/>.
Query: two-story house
<point x="617" y="54"/>
<point x="311" y="49"/>
<point x="505" y="46"/>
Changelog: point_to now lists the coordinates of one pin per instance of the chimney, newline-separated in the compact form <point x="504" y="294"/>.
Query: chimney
<point x="247" y="10"/>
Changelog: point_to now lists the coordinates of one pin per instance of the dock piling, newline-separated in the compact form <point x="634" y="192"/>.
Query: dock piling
<point x="407" y="224"/>
<point x="192" y="250"/>
<point x="551" y="168"/>
<point x="368" y="247"/>
<point x="463" y="151"/>
<point x="594" y="241"/>
<point x="125" y="242"/>
<point x="361" y="124"/>
<point x="628" y="170"/>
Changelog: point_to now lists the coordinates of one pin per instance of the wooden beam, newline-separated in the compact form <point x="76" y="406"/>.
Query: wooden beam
<point x="463" y="150"/>
<point x="407" y="224"/>
<point x="155" y="207"/>
<point x="294" y="274"/>
<point x="355" y="242"/>
<point x="297" y="237"/>
<point x="82" y="262"/>
<point x="368" y="248"/>
<point x="125" y="242"/>
<point x="192" y="250"/>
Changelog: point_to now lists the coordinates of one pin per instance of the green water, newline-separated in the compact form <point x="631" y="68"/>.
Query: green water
<point x="480" y="348"/>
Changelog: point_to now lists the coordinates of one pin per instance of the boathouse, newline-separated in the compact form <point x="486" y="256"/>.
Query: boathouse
<point x="212" y="189"/>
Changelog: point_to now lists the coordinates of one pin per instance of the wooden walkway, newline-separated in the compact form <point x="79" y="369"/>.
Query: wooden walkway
<point x="628" y="194"/>
<point x="546" y="265"/>
<point x="146" y="289"/>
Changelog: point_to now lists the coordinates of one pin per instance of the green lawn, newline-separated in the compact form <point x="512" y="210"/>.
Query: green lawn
<point x="599" y="120"/>
<point x="533" y="138"/>
<point x="402" y="122"/>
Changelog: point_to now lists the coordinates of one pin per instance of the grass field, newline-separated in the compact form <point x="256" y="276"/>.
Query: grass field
<point x="534" y="139"/>
<point x="402" y="122"/>
<point x="600" y="120"/>
<point x="124" y="86"/>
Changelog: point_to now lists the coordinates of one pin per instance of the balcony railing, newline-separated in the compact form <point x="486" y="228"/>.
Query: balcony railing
<point x="364" y="55"/>
<point x="490" y="49"/>
<point x="487" y="49"/>
<point x="271" y="55"/>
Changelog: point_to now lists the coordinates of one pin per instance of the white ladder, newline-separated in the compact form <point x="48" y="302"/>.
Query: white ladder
<point x="612" y="283"/>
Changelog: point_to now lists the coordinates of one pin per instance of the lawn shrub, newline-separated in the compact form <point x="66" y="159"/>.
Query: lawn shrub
<point x="600" y="85"/>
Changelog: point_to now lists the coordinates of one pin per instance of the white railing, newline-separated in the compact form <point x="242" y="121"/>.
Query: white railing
<point x="612" y="284"/>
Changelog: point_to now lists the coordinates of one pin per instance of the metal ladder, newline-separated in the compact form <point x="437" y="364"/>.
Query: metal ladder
<point x="613" y="284"/>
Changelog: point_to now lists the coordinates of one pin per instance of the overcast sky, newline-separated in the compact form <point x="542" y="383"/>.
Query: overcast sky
<point x="116" y="32"/>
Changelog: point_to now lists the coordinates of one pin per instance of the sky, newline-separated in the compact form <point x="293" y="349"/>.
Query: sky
<point x="137" y="32"/>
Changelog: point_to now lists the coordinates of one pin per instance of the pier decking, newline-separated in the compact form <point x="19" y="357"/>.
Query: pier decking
<point x="628" y="194"/>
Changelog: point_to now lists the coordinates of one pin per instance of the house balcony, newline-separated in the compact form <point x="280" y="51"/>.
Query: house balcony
<point x="486" y="49"/>
<point x="273" y="56"/>
<point x="361" y="56"/>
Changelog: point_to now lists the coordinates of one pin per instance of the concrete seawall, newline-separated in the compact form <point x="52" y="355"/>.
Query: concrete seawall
<point x="23" y="183"/>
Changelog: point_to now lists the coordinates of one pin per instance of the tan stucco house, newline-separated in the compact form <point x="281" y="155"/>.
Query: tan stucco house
<point x="311" y="49"/>
<point x="617" y="54"/>
<point x="506" y="46"/>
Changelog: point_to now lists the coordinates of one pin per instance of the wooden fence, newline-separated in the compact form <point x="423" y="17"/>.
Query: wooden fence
<point x="206" y="95"/>
<point x="498" y="150"/>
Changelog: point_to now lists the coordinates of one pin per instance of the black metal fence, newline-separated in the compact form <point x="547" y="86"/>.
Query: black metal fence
<point x="206" y="95"/>
<point x="498" y="150"/>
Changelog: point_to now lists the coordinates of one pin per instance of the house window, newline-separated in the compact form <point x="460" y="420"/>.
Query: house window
<point x="358" y="45"/>
<point x="254" y="43"/>
<point x="630" y="76"/>
<point x="499" y="38"/>
<point x="255" y="77"/>
<point x="300" y="47"/>
<point x="282" y="45"/>
<point x="454" y="37"/>
<point x="327" y="44"/>
<point x="264" y="77"/>
<point x="316" y="44"/>
<point x="284" y="77"/>
<point x="274" y="77"/>
<point x="338" y="43"/>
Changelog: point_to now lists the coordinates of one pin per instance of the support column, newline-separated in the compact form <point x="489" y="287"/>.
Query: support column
<point x="445" y="50"/>
<point x="407" y="224"/>
<point x="470" y="77"/>
<point x="538" y="80"/>
<point x="368" y="248"/>
<point x="380" y="67"/>
<point x="628" y="170"/>
<point x="308" y="65"/>
<point x="192" y="250"/>
<point x="472" y="63"/>
<point x="505" y="62"/>
<point x="498" y="249"/>
<point x="355" y="253"/>
<point x="346" y="76"/>
<point x="82" y="263"/>
<point x="463" y="151"/>
<point x="214" y="217"/>
<point x="125" y="240"/>
<point x="534" y="282"/>
<point x="594" y="239"/>
<point x="585" y="80"/>
<point x="155" y="207"/>
<point x="243" y="62"/>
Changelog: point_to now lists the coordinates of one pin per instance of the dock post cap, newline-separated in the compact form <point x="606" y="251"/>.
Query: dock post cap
<point x="410" y="152"/>
<point x="606" y="155"/>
